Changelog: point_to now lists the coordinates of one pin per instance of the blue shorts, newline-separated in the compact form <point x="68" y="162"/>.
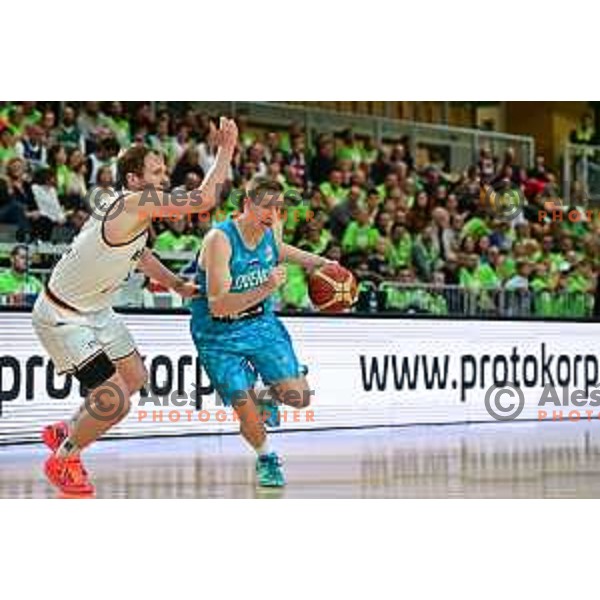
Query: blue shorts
<point x="234" y="355"/>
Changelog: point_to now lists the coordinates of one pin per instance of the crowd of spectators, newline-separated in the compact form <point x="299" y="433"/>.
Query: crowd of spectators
<point x="391" y="216"/>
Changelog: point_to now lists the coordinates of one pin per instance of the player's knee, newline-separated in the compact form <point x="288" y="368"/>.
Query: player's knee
<point x="304" y="392"/>
<point x="306" y="397"/>
<point x="135" y="375"/>
<point x="296" y="394"/>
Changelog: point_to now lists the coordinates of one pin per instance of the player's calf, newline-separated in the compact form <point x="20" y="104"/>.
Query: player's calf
<point x="268" y="465"/>
<point x="106" y="404"/>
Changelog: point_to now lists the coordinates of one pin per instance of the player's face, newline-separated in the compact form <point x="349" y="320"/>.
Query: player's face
<point x="155" y="171"/>
<point x="264" y="210"/>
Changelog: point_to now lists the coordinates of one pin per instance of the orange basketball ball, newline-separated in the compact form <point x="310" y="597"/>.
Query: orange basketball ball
<point x="332" y="288"/>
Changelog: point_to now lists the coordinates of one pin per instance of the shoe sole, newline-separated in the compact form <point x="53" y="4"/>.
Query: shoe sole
<point x="68" y="491"/>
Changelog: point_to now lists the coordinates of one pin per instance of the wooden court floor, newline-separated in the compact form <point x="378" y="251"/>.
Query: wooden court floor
<point x="517" y="460"/>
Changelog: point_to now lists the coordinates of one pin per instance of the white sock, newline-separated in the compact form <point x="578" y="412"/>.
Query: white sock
<point x="264" y="448"/>
<point x="67" y="448"/>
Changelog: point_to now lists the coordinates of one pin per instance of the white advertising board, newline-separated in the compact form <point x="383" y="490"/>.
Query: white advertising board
<point x="364" y="372"/>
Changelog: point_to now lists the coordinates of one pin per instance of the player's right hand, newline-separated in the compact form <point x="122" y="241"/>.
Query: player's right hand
<point x="277" y="277"/>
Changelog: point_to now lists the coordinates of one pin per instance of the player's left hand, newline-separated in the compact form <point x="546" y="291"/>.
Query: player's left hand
<point x="323" y="263"/>
<point x="327" y="262"/>
<point x="186" y="289"/>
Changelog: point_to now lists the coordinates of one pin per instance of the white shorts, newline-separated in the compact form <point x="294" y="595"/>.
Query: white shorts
<point x="72" y="339"/>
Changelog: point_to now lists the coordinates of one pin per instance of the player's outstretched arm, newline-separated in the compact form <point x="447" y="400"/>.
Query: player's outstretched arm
<point x="308" y="260"/>
<point x="222" y="302"/>
<point x="206" y="197"/>
<point x="154" y="269"/>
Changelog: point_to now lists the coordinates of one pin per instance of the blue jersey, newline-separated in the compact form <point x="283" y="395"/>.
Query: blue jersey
<point x="249" y="268"/>
<point x="235" y="352"/>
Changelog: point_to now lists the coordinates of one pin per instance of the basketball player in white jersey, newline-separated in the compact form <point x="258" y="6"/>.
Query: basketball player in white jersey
<point x="73" y="316"/>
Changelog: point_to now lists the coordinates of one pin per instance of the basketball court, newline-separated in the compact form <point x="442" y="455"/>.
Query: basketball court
<point x="518" y="460"/>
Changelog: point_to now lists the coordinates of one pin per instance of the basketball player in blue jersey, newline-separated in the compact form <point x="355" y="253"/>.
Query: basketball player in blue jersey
<point x="233" y="324"/>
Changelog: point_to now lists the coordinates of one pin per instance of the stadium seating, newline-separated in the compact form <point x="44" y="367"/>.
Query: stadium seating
<point x="417" y="212"/>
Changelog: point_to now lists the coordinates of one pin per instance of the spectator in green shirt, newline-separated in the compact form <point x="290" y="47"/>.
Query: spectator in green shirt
<point x="402" y="245"/>
<point x="479" y="282"/>
<point x="16" y="120"/>
<point x="7" y="146"/>
<point x="117" y="122"/>
<point x="369" y="151"/>
<point x="31" y="115"/>
<point x="409" y="298"/>
<point x="332" y="190"/>
<point x="294" y="292"/>
<point x="578" y="289"/>
<point x="467" y="273"/>
<point x="315" y="238"/>
<point x="68" y="134"/>
<point x="475" y="228"/>
<point x="487" y="276"/>
<point x="57" y="161"/>
<point x="572" y="297"/>
<point x="542" y="284"/>
<point x="425" y="254"/>
<point x="390" y="183"/>
<point x="176" y="239"/>
<point x="360" y="235"/>
<point x="16" y="281"/>
<point x="349" y="150"/>
<point x="495" y="259"/>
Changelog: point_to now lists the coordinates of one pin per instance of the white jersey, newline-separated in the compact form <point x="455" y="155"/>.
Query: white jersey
<point x="92" y="270"/>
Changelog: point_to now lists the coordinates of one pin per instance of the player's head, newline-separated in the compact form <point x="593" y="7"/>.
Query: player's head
<point x="140" y="167"/>
<point x="264" y="197"/>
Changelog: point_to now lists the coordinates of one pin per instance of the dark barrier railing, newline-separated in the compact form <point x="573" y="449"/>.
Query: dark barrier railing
<point x="457" y="301"/>
<point x="388" y="297"/>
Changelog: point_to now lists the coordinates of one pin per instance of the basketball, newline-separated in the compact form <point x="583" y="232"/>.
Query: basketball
<point x="332" y="289"/>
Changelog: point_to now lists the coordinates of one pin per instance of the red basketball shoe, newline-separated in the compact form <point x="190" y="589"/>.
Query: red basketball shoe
<point x="54" y="435"/>
<point x="68" y="475"/>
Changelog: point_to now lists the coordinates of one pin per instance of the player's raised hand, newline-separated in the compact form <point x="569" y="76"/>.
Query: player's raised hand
<point x="227" y="134"/>
<point x="277" y="277"/>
